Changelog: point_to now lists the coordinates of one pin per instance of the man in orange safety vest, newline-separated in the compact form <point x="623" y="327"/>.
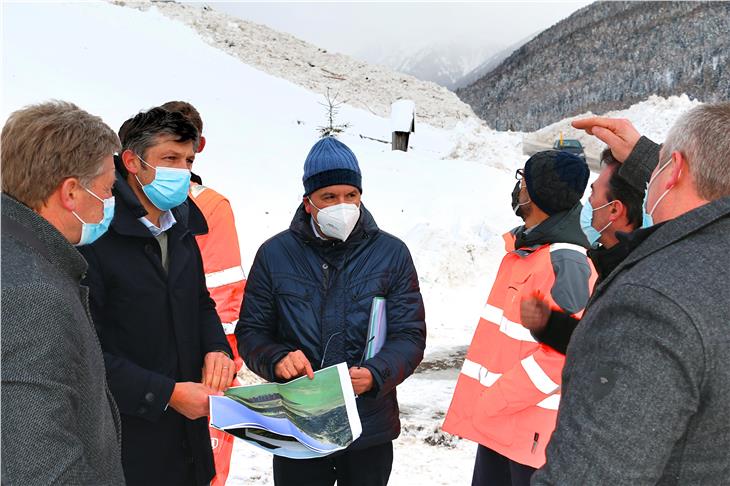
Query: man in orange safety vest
<point x="508" y="391"/>
<point x="224" y="274"/>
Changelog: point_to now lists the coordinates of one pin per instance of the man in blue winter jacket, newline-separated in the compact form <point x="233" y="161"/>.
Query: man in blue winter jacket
<point x="307" y="306"/>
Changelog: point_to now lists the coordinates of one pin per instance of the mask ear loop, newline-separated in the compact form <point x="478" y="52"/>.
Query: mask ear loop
<point x="671" y="159"/>
<point x="148" y="165"/>
<point x="601" y="207"/>
<point x="320" y="228"/>
<point x="651" y="213"/>
<point x="529" y="200"/>
<point x="312" y="203"/>
<point x="612" y="209"/>
<point x="523" y="184"/>
<point x="103" y="202"/>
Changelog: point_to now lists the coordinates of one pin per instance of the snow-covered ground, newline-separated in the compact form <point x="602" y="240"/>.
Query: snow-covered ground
<point x="447" y="198"/>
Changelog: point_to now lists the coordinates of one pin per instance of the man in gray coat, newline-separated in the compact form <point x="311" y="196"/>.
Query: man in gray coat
<point x="59" y="422"/>
<point x="646" y="385"/>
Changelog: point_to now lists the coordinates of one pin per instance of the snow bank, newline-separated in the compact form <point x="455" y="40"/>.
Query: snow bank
<point x="653" y="118"/>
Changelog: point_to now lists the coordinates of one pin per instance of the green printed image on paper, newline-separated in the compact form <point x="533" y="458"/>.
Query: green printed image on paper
<point x="316" y="407"/>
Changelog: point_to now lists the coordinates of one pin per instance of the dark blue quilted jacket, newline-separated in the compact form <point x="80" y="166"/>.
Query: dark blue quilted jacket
<point x="315" y="295"/>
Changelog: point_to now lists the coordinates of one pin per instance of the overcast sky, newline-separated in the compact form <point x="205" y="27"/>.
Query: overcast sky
<point x="354" y="28"/>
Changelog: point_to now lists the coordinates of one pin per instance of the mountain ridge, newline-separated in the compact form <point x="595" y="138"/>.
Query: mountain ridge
<point x="608" y="56"/>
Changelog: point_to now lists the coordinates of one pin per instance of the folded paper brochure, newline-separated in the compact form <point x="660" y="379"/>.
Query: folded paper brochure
<point x="301" y="419"/>
<point x="377" y="327"/>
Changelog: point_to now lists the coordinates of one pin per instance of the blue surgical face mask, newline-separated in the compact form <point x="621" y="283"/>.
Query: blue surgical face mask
<point x="169" y="188"/>
<point x="586" y="223"/>
<point x="647" y="220"/>
<point x="90" y="232"/>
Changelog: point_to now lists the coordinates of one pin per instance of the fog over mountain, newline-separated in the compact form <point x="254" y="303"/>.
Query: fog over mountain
<point x="490" y="63"/>
<point x="445" y="64"/>
<point x="438" y="42"/>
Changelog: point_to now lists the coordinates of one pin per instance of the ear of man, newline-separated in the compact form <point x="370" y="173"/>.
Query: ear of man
<point x="617" y="210"/>
<point x="68" y="193"/>
<point x="131" y="162"/>
<point x="307" y="205"/>
<point x="676" y="170"/>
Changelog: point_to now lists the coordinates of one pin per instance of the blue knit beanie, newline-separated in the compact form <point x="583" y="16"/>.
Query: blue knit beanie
<point x="330" y="162"/>
<point x="555" y="180"/>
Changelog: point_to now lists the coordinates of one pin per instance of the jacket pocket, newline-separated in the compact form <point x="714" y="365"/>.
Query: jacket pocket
<point x="294" y="305"/>
<point x="290" y="288"/>
<point x="362" y="291"/>
<point x="488" y="420"/>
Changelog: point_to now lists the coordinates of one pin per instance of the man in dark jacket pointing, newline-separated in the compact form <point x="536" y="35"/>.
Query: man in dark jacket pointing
<point x="307" y="305"/>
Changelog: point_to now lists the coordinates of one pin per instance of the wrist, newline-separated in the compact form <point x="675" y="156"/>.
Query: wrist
<point x="172" y="401"/>
<point x="222" y="351"/>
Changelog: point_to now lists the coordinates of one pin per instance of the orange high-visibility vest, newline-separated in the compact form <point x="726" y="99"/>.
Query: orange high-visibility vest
<point x="508" y="391"/>
<point x="221" y="254"/>
<point x="226" y="282"/>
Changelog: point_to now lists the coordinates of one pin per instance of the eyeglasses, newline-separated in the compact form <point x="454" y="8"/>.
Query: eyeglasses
<point x="519" y="174"/>
<point x="327" y="345"/>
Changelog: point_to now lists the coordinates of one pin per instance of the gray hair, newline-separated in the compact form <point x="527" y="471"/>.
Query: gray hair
<point x="145" y="130"/>
<point x="702" y="135"/>
<point x="46" y="143"/>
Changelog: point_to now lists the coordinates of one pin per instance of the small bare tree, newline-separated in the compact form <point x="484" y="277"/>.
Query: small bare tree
<point x="332" y="107"/>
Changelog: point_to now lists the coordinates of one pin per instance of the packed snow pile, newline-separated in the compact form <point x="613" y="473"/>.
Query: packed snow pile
<point x="363" y="85"/>
<point x="473" y="140"/>
<point x="653" y="118"/>
<point x="448" y="197"/>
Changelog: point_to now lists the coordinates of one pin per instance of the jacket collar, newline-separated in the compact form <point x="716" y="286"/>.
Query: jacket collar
<point x="647" y="241"/>
<point x="562" y="227"/>
<point x="128" y="209"/>
<point x="39" y="233"/>
<point x="606" y="259"/>
<point x="301" y="226"/>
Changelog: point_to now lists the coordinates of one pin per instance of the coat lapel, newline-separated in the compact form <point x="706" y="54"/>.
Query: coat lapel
<point x="179" y="254"/>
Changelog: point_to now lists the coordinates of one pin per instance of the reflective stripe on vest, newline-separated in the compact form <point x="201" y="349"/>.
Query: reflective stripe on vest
<point x="229" y="327"/>
<point x="479" y="373"/>
<point x="550" y="403"/>
<point x="488" y="378"/>
<point x="512" y="329"/>
<point x="224" y="277"/>
<point x="196" y="190"/>
<point x="567" y="246"/>
<point x="538" y="376"/>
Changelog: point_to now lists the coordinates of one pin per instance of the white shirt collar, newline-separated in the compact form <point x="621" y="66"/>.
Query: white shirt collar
<point x="167" y="221"/>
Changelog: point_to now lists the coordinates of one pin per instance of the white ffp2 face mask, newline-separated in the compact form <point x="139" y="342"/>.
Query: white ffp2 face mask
<point x="337" y="221"/>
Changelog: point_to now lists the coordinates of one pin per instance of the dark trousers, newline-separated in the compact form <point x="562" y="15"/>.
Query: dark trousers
<point x="366" y="467"/>
<point x="492" y="469"/>
<point x="158" y="452"/>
